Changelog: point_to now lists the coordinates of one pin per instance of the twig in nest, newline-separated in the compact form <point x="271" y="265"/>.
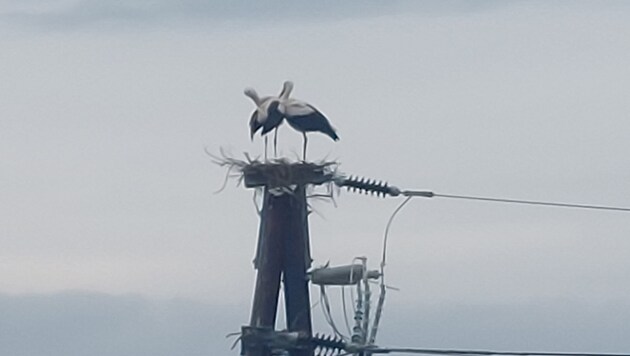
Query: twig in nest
<point x="280" y="174"/>
<point x="232" y="164"/>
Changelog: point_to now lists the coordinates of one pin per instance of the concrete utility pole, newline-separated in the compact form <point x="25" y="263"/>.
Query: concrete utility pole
<point x="283" y="251"/>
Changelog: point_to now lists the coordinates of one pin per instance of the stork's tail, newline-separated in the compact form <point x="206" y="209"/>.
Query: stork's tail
<point x="331" y="133"/>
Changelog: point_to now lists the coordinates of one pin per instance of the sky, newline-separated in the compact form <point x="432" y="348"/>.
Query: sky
<point x="110" y="224"/>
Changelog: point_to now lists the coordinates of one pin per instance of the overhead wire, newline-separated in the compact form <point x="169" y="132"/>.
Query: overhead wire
<point x="429" y="194"/>
<point x="385" y="237"/>
<point x="343" y="300"/>
<point x="325" y="304"/>
<point x="345" y="309"/>
<point x="380" y="188"/>
<point x="381" y="297"/>
<point x="352" y="299"/>
<point x="485" y="352"/>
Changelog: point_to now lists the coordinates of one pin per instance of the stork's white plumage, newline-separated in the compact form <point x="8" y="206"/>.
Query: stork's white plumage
<point x="300" y="115"/>
<point x="305" y="118"/>
<point x="266" y="116"/>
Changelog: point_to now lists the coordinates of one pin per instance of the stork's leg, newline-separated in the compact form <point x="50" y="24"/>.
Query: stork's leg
<point x="275" y="143"/>
<point x="304" y="148"/>
<point x="265" y="148"/>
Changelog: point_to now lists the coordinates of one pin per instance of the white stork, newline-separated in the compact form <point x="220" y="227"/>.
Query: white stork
<point x="304" y="117"/>
<point x="266" y="115"/>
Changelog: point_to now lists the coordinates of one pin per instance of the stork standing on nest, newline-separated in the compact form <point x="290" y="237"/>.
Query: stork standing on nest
<point x="301" y="116"/>
<point x="304" y="117"/>
<point x="266" y="116"/>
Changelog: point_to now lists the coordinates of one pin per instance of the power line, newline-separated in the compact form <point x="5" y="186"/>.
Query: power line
<point x="370" y="186"/>
<point x="387" y="227"/>
<point x="381" y="297"/>
<point x="429" y="194"/>
<point x="485" y="352"/>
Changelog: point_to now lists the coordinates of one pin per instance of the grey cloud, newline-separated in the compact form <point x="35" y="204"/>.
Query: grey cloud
<point x="89" y="13"/>
<point x="71" y="324"/>
<point x="542" y="325"/>
<point x="99" y="324"/>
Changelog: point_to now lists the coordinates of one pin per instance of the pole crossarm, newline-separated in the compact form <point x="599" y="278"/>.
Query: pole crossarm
<point x="284" y="174"/>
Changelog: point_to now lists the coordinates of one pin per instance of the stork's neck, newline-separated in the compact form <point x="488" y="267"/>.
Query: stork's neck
<point x="254" y="96"/>
<point x="286" y="90"/>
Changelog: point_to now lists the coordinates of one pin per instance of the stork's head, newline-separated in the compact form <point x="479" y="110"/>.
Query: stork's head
<point x="252" y="94"/>
<point x="287" y="87"/>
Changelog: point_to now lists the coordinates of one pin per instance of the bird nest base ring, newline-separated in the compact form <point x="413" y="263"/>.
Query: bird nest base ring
<point x="275" y="174"/>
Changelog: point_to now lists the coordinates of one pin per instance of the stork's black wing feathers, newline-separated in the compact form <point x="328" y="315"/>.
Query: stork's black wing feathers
<point x="315" y="121"/>
<point x="254" y="125"/>
<point x="274" y="118"/>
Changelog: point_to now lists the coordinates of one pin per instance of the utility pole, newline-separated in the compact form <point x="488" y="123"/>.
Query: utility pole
<point x="283" y="253"/>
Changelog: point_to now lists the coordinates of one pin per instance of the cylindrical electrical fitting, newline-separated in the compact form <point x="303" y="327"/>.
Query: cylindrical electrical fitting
<point x="341" y="275"/>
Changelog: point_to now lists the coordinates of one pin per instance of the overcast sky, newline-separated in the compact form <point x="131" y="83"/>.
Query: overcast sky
<point x="107" y="206"/>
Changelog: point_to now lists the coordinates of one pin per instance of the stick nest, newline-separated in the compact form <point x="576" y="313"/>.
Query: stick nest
<point x="275" y="173"/>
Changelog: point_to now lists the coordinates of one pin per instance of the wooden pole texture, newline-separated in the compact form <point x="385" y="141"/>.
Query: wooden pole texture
<point x="283" y="251"/>
<point x="296" y="262"/>
<point x="269" y="264"/>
